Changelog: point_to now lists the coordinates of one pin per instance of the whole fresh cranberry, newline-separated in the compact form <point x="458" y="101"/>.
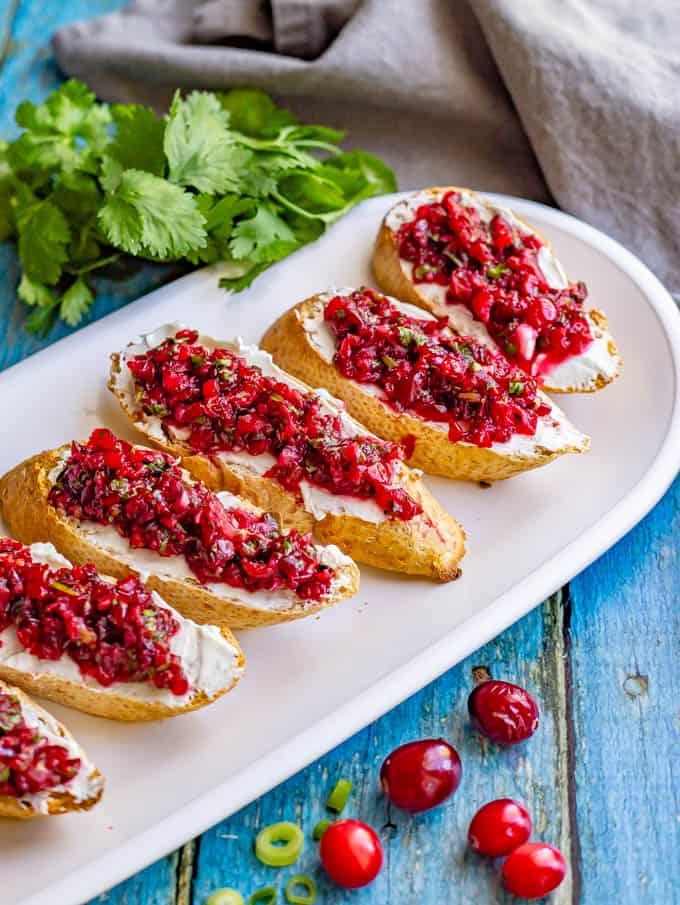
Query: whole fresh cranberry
<point x="421" y="775"/>
<point x="504" y="713"/>
<point x="499" y="827"/>
<point x="533" y="870"/>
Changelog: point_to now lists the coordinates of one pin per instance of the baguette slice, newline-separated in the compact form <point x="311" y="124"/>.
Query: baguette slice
<point x="304" y="344"/>
<point x="80" y="793"/>
<point x="30" y="517"/>
<point x="211" y="660"/>
<point x="592" y="370"/>
<point x="430" y="544"/>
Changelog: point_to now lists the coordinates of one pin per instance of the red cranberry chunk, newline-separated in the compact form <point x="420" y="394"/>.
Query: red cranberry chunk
<point x="115" y="632"/>
<point x="145" y="496"/>
<point x="493" y="268"/>
<point x="29" y="762"/>
<point x="224" y="404"/>
<point x="423" y="368"/>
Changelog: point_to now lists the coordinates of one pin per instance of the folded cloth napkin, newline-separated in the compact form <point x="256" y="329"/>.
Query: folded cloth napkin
<point x="564" y="98"/>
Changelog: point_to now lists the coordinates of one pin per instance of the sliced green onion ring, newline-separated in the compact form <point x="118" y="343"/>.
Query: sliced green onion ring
<point x="296" y="898"/>
<point x="279" y="844"/>
<point x="226" y="896"/>
<point x="338" y="797"/>
<point x="320" y="829"/>
<point x="264" y="896"/>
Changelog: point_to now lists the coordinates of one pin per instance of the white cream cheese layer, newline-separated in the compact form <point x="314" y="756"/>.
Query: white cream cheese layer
<point x="148" y="562"/>
<point x="553" y="431"/>
<point x="208" y="660"/>
<point x="84" y="785"/>
<point x="318" y="501"/>
<point x="576" y="373"/>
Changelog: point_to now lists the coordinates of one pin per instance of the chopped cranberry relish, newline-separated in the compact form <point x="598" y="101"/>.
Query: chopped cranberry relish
<point x="114" y="632"/>
<point x="225" y="404"/>
<point x="422" y="367"/>
<point x="145" y="496"/>
<point x="493" y="269"/>
<point x="29" y="763"/>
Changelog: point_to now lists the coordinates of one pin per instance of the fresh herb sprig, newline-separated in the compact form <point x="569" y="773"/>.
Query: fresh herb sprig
<point x="222" y="177"/>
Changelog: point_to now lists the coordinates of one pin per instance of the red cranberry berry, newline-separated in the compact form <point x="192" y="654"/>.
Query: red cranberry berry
<point x="351" y="853"/>
<point x="499" y="827"/>
<point x="533" y="870"/>
<point x="504" y="713"/>
<point x="421" y="775"/>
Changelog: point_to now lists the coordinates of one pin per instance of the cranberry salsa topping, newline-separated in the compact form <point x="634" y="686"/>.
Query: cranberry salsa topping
<point x="114" y="632"/>
<point x="493" y="268"/>
<point x="224" y="404"/>
<point x="145" y="496"/>
<point x="424" y="368"/>
<point x="29" y="762"/>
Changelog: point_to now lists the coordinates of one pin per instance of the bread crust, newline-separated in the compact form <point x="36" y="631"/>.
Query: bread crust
<point x="392" y="280"/>
<point x="58" y="802"/>
<point x="35" y="520"/>
<point x="291" y="348"/>
<point x="430" y="545"/>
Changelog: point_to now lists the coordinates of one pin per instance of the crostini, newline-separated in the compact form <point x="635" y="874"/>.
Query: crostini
<point x="458" y="255"/>
<point x="240" y="423"/>
<point x="404" y="374"/>
<point x="110" y="648"/>
<point x="43" y="770"/>
<point x="130" y="510"/>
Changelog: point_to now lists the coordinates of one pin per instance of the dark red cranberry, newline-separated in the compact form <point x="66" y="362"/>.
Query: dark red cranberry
<point x="504" y="713"/>
<point x="533" y="870"/>
<point x="499" y="827"/>
<point x="420" y="775"/>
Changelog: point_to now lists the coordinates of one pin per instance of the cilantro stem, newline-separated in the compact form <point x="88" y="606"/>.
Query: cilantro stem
<point x="95" y="265"/>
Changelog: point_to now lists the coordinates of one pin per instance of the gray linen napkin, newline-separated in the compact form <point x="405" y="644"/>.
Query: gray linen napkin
<point x="569" y="97"/>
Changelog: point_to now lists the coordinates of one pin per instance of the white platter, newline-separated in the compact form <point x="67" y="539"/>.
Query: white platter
<point x="168" y="782"/>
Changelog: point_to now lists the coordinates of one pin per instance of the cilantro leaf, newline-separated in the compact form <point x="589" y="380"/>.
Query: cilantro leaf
<point x="41" y="320"/>
<point x="254" y="113"/>
<point x="33" y="293"/>
<point x="139" y="139"/>
<point x="148" y="215"/>
<point x="251" y="237"/>
<point x="198" y="146"/>
<point x="75" y="302"/>
<point x="44" y="235"/>
<point x="373" y="171"/>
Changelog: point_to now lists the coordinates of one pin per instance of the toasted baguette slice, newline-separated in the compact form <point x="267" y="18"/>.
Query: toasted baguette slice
<point x="211" y="661"/>
<point x="80" y="793"/>
<point x="585" y="373"/>
<point x="30" y="517"/>
<point x="430" y="544"/>
<point x="304" y="344"/>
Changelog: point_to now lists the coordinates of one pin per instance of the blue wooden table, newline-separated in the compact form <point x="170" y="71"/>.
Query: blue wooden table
<point x="601" y="776"/>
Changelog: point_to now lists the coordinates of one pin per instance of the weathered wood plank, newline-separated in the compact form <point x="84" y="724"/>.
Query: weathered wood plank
<point x="625" y="632"/>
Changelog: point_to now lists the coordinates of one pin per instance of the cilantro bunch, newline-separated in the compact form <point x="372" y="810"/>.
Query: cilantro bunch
<point x="222" y="177"/>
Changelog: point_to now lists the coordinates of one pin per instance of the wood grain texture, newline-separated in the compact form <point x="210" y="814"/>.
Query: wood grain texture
<point x="601" y="775"/>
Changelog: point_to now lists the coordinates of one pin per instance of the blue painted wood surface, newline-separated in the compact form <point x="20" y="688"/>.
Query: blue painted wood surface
<point x="601" y="775"/>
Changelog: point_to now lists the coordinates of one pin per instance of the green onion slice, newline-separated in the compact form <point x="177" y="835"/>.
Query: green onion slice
<point x="279" y="844"/>
<point x="320" y="829"/>
<point x="225" y="897"/>
<point x="338" y="797"/>
<point x="297" y="898"/>
<point x="264" y="896"/>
